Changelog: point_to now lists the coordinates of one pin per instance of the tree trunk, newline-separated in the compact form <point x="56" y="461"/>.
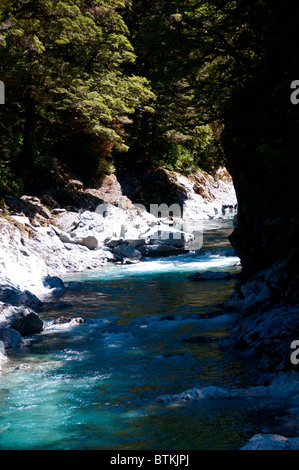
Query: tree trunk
<point x="29" y="133"/>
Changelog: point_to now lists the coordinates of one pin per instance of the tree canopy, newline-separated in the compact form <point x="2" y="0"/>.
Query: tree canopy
<point x="87" y="80"/>
<point x="63" y="66"/>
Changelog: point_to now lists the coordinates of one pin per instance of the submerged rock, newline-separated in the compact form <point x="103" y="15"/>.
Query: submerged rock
<point x="22" y="319"/>
<point x="127" y="251"/>
<point x="3" y="357"/>
<point x="12" y="294"/>
<point x="55" y="284"/>
<point x="12" y="339"/>
<point x="72" y="321"/>
<point x="27" y="322"/>
<point x="272" y="442"/>
<point x="212" y="276"/>
<point x="156" y="251"/>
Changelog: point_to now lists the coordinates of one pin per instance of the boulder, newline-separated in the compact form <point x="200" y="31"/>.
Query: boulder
<point x="72" y="321"/>
<point x="89" y="241"/>
<point x="11" y="338"/>
<point x="168" y="236"/>
<point x="21" y="219"/>
<point x="135" y="243"/>
<point x="65" y="238"/>
<point x="127" y="251"/>
<point x="75" y="247"/>
<point x="271" y="442"/>
<point x="11" y="294"/>
<point x="55" y="284"/>
<point x="161" y="250"/>
<point x="3" y="357"/>
<point x="114" y="242"/>
<point x="27" y="322"/>
<point x="67" y="221"/>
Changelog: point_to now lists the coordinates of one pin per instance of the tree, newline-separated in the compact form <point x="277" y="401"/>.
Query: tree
<point x="194" y="54"/>
<point x="63" y="66"/>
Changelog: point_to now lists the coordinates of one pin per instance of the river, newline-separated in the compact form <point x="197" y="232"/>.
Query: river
<point x="149" y="332"/>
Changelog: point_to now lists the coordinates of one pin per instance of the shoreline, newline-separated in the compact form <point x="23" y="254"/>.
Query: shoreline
<point x="38" y="251"/>
<point x="39" y="244"/>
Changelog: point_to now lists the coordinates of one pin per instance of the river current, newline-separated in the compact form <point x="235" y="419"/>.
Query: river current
<point x="150" y="332"/>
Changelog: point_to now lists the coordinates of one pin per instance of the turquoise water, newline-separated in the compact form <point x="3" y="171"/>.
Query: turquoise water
<point x="95" y="385"/>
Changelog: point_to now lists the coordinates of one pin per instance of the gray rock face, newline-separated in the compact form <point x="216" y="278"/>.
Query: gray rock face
<point x="155" y="251"/>
<point x="90" y="242"/>
<point x="55" y="284"/>
<point x="114" y="242"/>
<point x="11" y="294"/>
<point x="11" y="338"/>
<point x="271" y="442"/>
<point x="22" y="319"/>
<point x="136" y="243"/>
<point x="127" y="251"/>
<point x="163" y="235"/>
<point x="266" y="322"/>
<point x="3" y="357"/>
<point x="27" y="322"/>
<point x="37" y="245"/>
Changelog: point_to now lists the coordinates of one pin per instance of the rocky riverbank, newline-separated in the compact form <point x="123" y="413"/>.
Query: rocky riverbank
<point x="42" y="238"/>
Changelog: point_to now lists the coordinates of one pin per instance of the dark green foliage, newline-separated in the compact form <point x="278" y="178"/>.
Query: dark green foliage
<point x="194" y="53"/>
<point x="87" y="81"/>
<point x="261" y="144"/>
<point x="63" y="66"/>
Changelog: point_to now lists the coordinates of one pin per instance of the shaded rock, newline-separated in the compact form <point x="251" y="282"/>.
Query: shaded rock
<point x="27" y="205"/>
<point x="114" y="242"/>
<point x="135" y="243"/>
<point x="65" y="238"/>
<point x="199" y="194"/>
<point x="11" y="338"/>
<point x="109" y="190"/>
<point x="75" y="285"/>
<point x="266" y="335"/>
<point x="3" y="357"/>
<point x="127" y="251"/>
<point x="27" y="323"/>
<point x="11" y="294"/>
<point x="212" y="276"/>
<point x="48" y="200"/>
<point x="271" y="442"/>
<point x="55" y="284"/>
<point x="168" y="236"/>
<point x="90" y="242"/>
<point x="161" y="250"/>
